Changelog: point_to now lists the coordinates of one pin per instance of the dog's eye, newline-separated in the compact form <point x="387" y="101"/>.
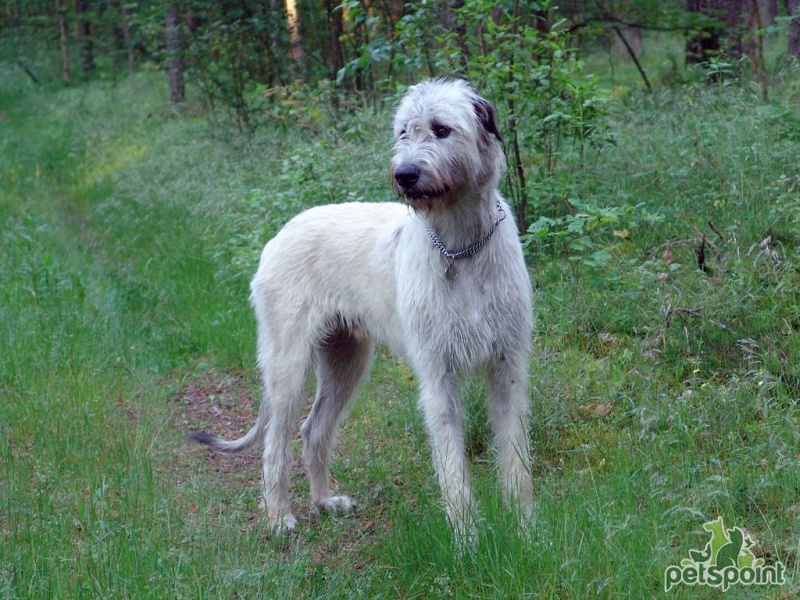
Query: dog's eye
<point x="402" y="133"/>
<point x="440" y="131"/>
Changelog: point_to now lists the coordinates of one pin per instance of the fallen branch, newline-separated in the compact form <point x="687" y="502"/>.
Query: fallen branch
<point x="672" y="244"/>
<point x="684" y="310"/>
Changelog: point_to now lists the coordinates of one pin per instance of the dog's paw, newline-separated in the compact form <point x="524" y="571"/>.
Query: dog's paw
<point x="284" y="524"/>
<point x="337" y="505"/>
<point x="282" y="521"/>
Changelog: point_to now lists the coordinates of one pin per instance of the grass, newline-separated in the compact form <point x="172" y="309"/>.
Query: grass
<point x="664" y="396"/>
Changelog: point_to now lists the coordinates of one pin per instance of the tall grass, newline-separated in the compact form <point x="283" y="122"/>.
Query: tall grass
<point x="129" y="235"/>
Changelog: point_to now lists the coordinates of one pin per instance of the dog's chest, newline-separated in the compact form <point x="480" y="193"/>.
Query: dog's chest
<point x="468" y="320"/>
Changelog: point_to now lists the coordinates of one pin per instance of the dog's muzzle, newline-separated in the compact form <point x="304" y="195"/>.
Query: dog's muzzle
<point x="406" y="178"/>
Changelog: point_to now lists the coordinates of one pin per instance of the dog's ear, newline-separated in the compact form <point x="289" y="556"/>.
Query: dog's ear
<point x="485" y="112"/>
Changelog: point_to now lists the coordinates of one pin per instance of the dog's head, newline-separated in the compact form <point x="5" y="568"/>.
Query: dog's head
<point x="446" y="142"/>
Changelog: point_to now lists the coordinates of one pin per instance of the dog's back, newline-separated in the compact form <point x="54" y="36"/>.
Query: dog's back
<point x="332" y="262"/>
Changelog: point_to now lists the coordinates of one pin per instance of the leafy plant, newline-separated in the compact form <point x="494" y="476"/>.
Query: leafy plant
<point x="588" y="234"/>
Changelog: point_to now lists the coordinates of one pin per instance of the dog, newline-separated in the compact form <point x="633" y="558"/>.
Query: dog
<point x="440" y="279"/>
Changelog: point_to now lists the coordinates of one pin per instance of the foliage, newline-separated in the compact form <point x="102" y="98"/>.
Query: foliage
<point x="228" y="56"/>
<point x="589" y="234"/>
<point x="369" y="38"/>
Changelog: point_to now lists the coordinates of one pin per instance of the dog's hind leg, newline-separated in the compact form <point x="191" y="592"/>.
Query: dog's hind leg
<point x="343" y="358"/>
<point x="284" y="393"/>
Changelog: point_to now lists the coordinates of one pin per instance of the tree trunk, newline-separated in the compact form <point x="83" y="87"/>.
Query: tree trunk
<point x="793" y="8"/>
<point x="62" y="34"/>
<point x="111" y="21"/>
<point x="177" y="90"/>
<point x="740" y="35"/>
<point x="768" y="10"/>
<point x="269" y="36"/>
<point x="336" y="30"/>
<point x="85" y="37"/>
<point x="126" y="36"/>
<point x="275" y="42"/>
<point x="756" y="47"/>
<point x="296" y="52"/>
<point x="704" y="44"/>
<point x="541" y="20"/>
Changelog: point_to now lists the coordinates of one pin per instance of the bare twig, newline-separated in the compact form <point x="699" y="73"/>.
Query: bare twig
<point x="714" y="229"/>
<point x="711" y="244"/>
<point x="632" y="54"/>
<point x="28" y="72"/>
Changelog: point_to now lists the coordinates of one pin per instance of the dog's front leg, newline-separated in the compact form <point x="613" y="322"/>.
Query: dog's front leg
<point x="509" y="413"/>
<point x="441" y="405"/>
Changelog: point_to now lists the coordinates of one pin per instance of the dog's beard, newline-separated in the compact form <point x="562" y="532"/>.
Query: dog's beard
<point x="424" y="203"/>
<point x="425" y="199"/>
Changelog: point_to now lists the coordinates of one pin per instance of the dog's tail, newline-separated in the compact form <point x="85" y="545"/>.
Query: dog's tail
<point x="250" y="439"/>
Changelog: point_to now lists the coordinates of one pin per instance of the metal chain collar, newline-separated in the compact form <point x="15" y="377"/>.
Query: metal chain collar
<point x="473" y="249"/>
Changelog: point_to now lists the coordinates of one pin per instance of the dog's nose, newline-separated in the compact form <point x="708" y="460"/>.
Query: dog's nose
<point x="406" y="175"/>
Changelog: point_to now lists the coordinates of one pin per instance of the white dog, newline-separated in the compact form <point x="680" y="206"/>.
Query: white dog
<point x="443" y="284"/>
